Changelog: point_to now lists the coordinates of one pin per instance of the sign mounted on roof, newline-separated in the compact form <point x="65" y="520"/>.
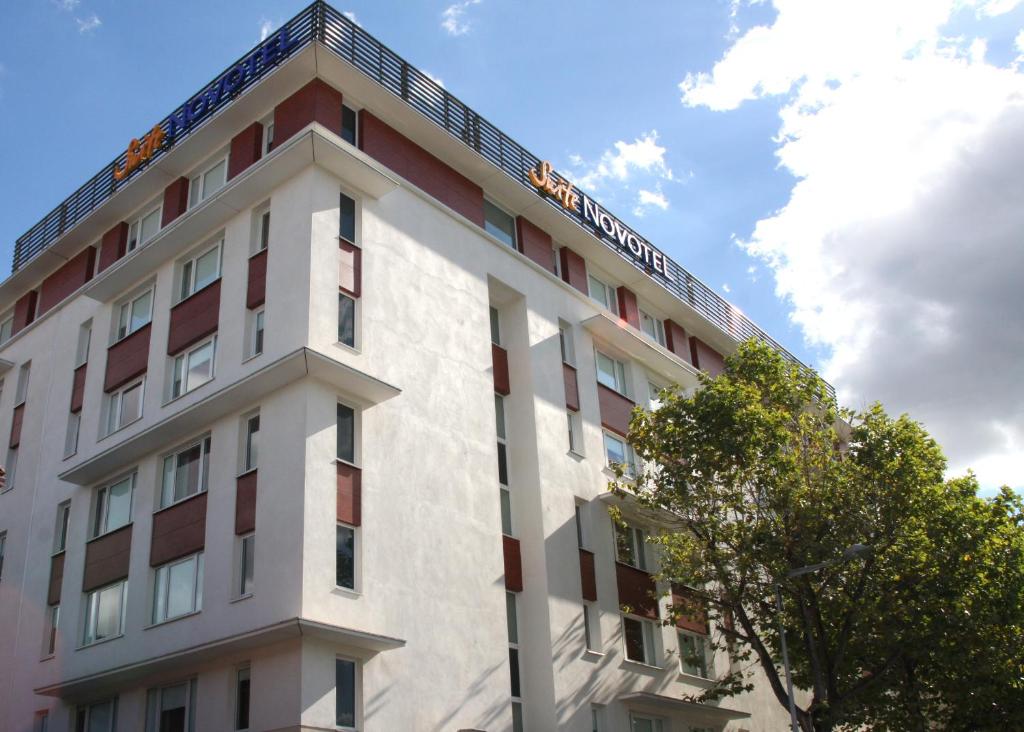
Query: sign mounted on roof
<point x="548" y="183"/>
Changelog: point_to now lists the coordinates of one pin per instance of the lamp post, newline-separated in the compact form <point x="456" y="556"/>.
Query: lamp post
<point x="849" y="554"/>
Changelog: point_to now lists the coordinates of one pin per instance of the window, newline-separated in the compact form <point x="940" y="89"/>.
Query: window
<point x="346" y="320"/>
<point x="345" y="565"/>
<point x="60" y="533"/>
<point x="346" y="434"/>
<point x="505" y="496"/>
<point x="134" y="314"/>
<point x="82" y="347"/>
<point x="348" y="124"/>
<point x="52" y="624"/>
<point x="347" y="219"/>
<point x="3" y="547"/>
<point x="262" y="239"/>
<point x="172" y="708"/>
<point x="98" y="717"/>
<point x="252" y="443"/>
<point x="653" y="395"/>
<point x="517" y="716"/>
<point x="104" y="612"/>
<point x="575" y="432"/>
<point x="630" y="546"/>
<point x="601" y="293"/>
<point x="582" y="528"/>
<point x="597" y="723"/>
<point x="113" y="506"/>
<point x="193" y="368"/>
<point x="21" y="392"/>
<point x="71" y="436"/>
<point x="124" y="406"/>
<point x="645" y="724"/>
<point x="42" y="722"/>
<point x="565" y="341"/>
<point x="495" y="326"/>
<point x="6" y="328"/>
<point x="693" y="654"/>
<point x="652" y="328"/>
<point x="639" y="639"/>
<point x="512" y="620"/>
<point x="268" y="136"/>
<point x="178" y="588"/>
<point x="11" y="468"/>
<point x="247" y="565"/>
<point x="349" y="272"/>
<point x="499" y="224"/>
<point x="590" y="626"/>
<point x="186" y="472"/>
<point x="199" y="271"/>
<point x="242" y="696"/>
<point x="611" y="373"/>
<point x="618" y="452"/>
<point x="208" y="182"/>
<point x="255" y="318"/>
<point x="144" y="228"/>
<point x="345" y="693"/>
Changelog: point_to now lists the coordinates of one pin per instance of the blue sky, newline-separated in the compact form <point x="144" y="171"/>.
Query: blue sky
<point x="799" y="156"/>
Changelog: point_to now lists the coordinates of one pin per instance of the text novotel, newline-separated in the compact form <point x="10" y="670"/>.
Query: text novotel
<point x="562" y="191"/>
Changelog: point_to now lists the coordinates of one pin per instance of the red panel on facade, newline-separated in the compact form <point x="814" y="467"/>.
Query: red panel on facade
<point x="350" y="494"/>
<point x="179" y="530"/>
<point x="245" y="503"/>
<point x="616" y="410"/>
<point x="72" y="275"/>
<point x="499" y="361"/>
<point x="16" y="419"/>
<point x="246" y="149"/>
<point x="256" y="290"/>
<point x="56" y="579"/>
<point x="574" y="269"/>
<point x="693" y="609"/>
<point x="127" y="359"/>
<point x="420" y="168"/>
<point x="705" y="357"/>
<point x="629" y="311"/>
<point x="572" y="389"/>
<point x="175" y="201"/>
<point x="588" y="578"/>
<point x="317" y="101"/>
<point x="194" y="318"/>
<point x="24" y="311"/>
<point x="676" y="340"/>
<point x="637" y="591"/>
<point x="113" y="245"/>
<point x="513" y="564"/>
<point x="107" y="558"/>
<point x="535" y="243"/>
<point x="78" y="388"/>
<point x="350" y="274"/>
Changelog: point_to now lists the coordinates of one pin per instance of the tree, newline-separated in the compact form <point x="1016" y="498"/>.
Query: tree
<point x="762" y="473"/>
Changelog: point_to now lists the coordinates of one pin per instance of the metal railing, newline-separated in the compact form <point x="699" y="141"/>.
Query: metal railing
<point x="350" y="42"/>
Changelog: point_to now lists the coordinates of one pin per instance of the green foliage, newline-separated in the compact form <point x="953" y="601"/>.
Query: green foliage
<point x="766" y="474"/>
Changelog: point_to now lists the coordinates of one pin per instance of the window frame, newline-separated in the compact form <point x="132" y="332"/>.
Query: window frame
<point x="505" y="491"/>
<point x="356" y="445"/>
<point x="637" y="542"/>
<point x="648" y="639"/>
<point x="101" y="502"/>
<point x="490" y="205"/>
<point x="21" y="387"/>
<point x="354" y="531"/>
<point x="356" y="693"/>
<point x="72" y="434"/>
<point x="566" y="343"/>
<point x="61" y="527"/>
<point x="184" y="357"/>
<point x="353" y="318"/>
<point x="115" y="404"/>
<point x="51" y="628"/>
<point x="261" y="224"/>
<point x="197" y="192"/>
<point x="619" y="373"/>
<point x="701" y="647"/>
<point x="255" y="332"/>
<point x="609" y="302"/>
<point x="205" y="444"/>
<point x="125" y="307"/>
<point x="158" y="615"/>
<point x="6" y="327"/>
<point x="246" y="550"/>
<point x="87" y="710"/>
<point x="156" y="694"/>
<point x="137" y="225"/>
<point x="250" y="449"/>
<point x="188" y="268"/>
<point x="658" y="336"/>
<point x="629" y="463"/>
<point x="237" y="698"/>
<point x="355" y="125"/>
<point x="91" y="616"/>
<point x="575" y="427"/>
<point x="83" y="343"/>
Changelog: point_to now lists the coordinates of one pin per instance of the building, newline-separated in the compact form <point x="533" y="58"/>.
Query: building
<point x="310" y="396"/>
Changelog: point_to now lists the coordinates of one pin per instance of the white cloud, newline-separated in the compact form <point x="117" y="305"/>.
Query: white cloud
<point x="453" y="18"/>
<point x="992" y="8"/>
<point x="266" y="28"/>
<point x="647" y="200"/>
<point x="617" y="163"/>
<point x="87" y="25"/>
<point x="725" y="288"/>
<point x="66" y="5"/>
<point x="1019" y="41"/>
<point x="899" y="249"/>
<point x="352" y="16"/>
<point x="436" y="79"/>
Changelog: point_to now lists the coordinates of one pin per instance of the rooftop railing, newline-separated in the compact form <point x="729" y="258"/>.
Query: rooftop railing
<point x="321" y="22"/>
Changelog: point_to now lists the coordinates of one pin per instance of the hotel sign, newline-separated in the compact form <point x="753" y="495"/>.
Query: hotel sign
<point x="544" y="180"/>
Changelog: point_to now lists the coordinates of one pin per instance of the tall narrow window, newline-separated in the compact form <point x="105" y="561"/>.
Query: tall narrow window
<point x="345" y="564"/>
<point x="242" y="696"/>
<point x="575" y="422"/>
<point x="178" y="588"/>
<point x="263" y="232"/>
<point x="611" y="373"/>
<point x="589" y="626"/>
<point x="582" y="529"/>
<point x="693" y="654"/>
<point x="346" y="433"/>
<point x="638" y="636"/>
<point x="495" y="326"/>
<point x="113" y="506"/>
<point x="618" y="452"/>
<point x="124" y="406"/>
<point x="52" y="625"/>
<point x="71" y="436"/>
<point x="21" y="392"/>
<point x="346" y="320"/>
<point x="630" y="546"/>
<point x="601" y="292"/>
<point x="345" y="693"/>
<point x="6" y="328"/>
<point x="499" y="224"/>
<point x="186" y="472"/>
<point x="565" y="341"/>
<point x="172" y="708"/>
<point x="252" y="442"/>
<point x="42" y="722"/>
<point x="347" y="219"/>
<point x="348" y="124"/>
<point x="349" y="273"/>
<point x="652" y="327"/>
<point x="255" y="335"/>
<point x="512" y="621"/>
<point x="505" y="496"/>
<point x="268" y="137"/>
<point x="247" y="565"/>
<point x="60" y="532"/>
<point x="82" y="346"/>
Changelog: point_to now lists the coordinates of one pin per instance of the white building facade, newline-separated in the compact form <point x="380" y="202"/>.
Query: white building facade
<point x="310" y="403"/>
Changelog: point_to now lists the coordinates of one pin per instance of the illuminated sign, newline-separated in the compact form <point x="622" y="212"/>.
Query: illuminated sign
<point x="583" y="206"/>
<point x="140" y="151"/>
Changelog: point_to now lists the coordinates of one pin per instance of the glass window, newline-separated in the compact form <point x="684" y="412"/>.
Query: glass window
<point x="652" y="328"/>
<point x="82" y="347"/>
<point x="499" y="224"/>
<point x="617" y="452"/>
<point x="193" y="368"/>
<point x="114" y="506"/>
<point x="206" y="184"/>
<point x="639" y="640"/>
<point x="134" y="314"/>
<point x="495" y="327"/>
<point x="582" y="530"/>
<point x="252" y="441"/>
<point x="517" y="717"/>
<point x="178" y="588"/>
<point x="575" y="432"/>
<point x="200" y="271"/>
<point x="511" y="617"/>
<point x="52" y="625"/>
<point x="631" y="546"/>
<point x="124" y="406"/>
<point x="513" y="663"/>
<point x="346" y="320"/>
<point x="597" y="718"/>
<point x="60" y="534"/>
<point x="21" y="391"/>
<point x="611" y="373"/>
<point x="257" y="332"/>
<point x="247" y="574"/>
<point x="588" y="636"/>
<point x="345" y="693"/>
<point x="506" y="511"/>
<point x="347" y="219"/>
<point x="263" y="238"/>
<point x="646" y="724"/>
<point x="144" y="228"/>
<point x="566" y="343"/>
<point x="346" y="434"/>
<point x="11" y="467"/>
<point x="98" y="717"/>
<point x="186" y="472"/>
<point x="104" y="612"/>
<point x="268" y="137"/>
<point x="172" y="708"/>
<point x="42" y="722"/>
<point x="499" y="415"/>
<point x="601" y="293"/>
<point x="71" y="436"/>
<point x="345" y="566"/>
<point x="6" y="329"/>
<point x="348" y="124"/>
<point x="242" y="695"/>
<point x="693" y="654"/>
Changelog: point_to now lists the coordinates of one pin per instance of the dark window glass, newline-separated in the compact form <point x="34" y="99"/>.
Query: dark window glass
<point x="242" y="700"/>
<point x="634" y="631"/>
<point x="348" y="125"/>
<point x="346" y="320"/>
<point x="264" y="230"/>
<point x="513" y="663"/>
<point x="502" y="465"/>
<point x="346" y="554"/>
<point x="346" y="433"/>
<point x="348" y="219"/>
<point x="345" y="693"/>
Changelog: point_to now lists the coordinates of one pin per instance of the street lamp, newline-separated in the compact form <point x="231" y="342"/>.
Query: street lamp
<point x="855" y="551"/>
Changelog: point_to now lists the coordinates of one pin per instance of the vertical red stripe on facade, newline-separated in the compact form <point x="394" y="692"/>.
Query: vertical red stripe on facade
<point x="705" y="357"/>
<point x="535" y="243"/>
<point x="676" y="340"/>
<point x="56" y="579"/>
<point x="513" y="564"/>
<point x="175" y="201"/>
<point x="246" y="149"/>
<point x="194" y="318"/>
<point x="72" y="275"/>
<point x="24" y="311"/>
<point x="574" y="269"/>
<point x="420" y="168"/>
<point x="245" y="502"/>
<point x="178" y="531"/>
<point x="350" y="494"/>
<point x="616" y="410"/>
<point x="78" y="388"/>
<point x="16" y="420"/>
<point x="572" y="389"/>
<point x="107" y="559"/>
<point x="127" y="359"/>
<point x="499" y="365"/>
<point x="317" y="101"/>
<point x="637" y="591"/>
<point x="256" y="286"/>
<point x="691" y="608"/>
<point x="629" y="311"/>
<point x="113" y="245"/>
<point x="588" y="577"/>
